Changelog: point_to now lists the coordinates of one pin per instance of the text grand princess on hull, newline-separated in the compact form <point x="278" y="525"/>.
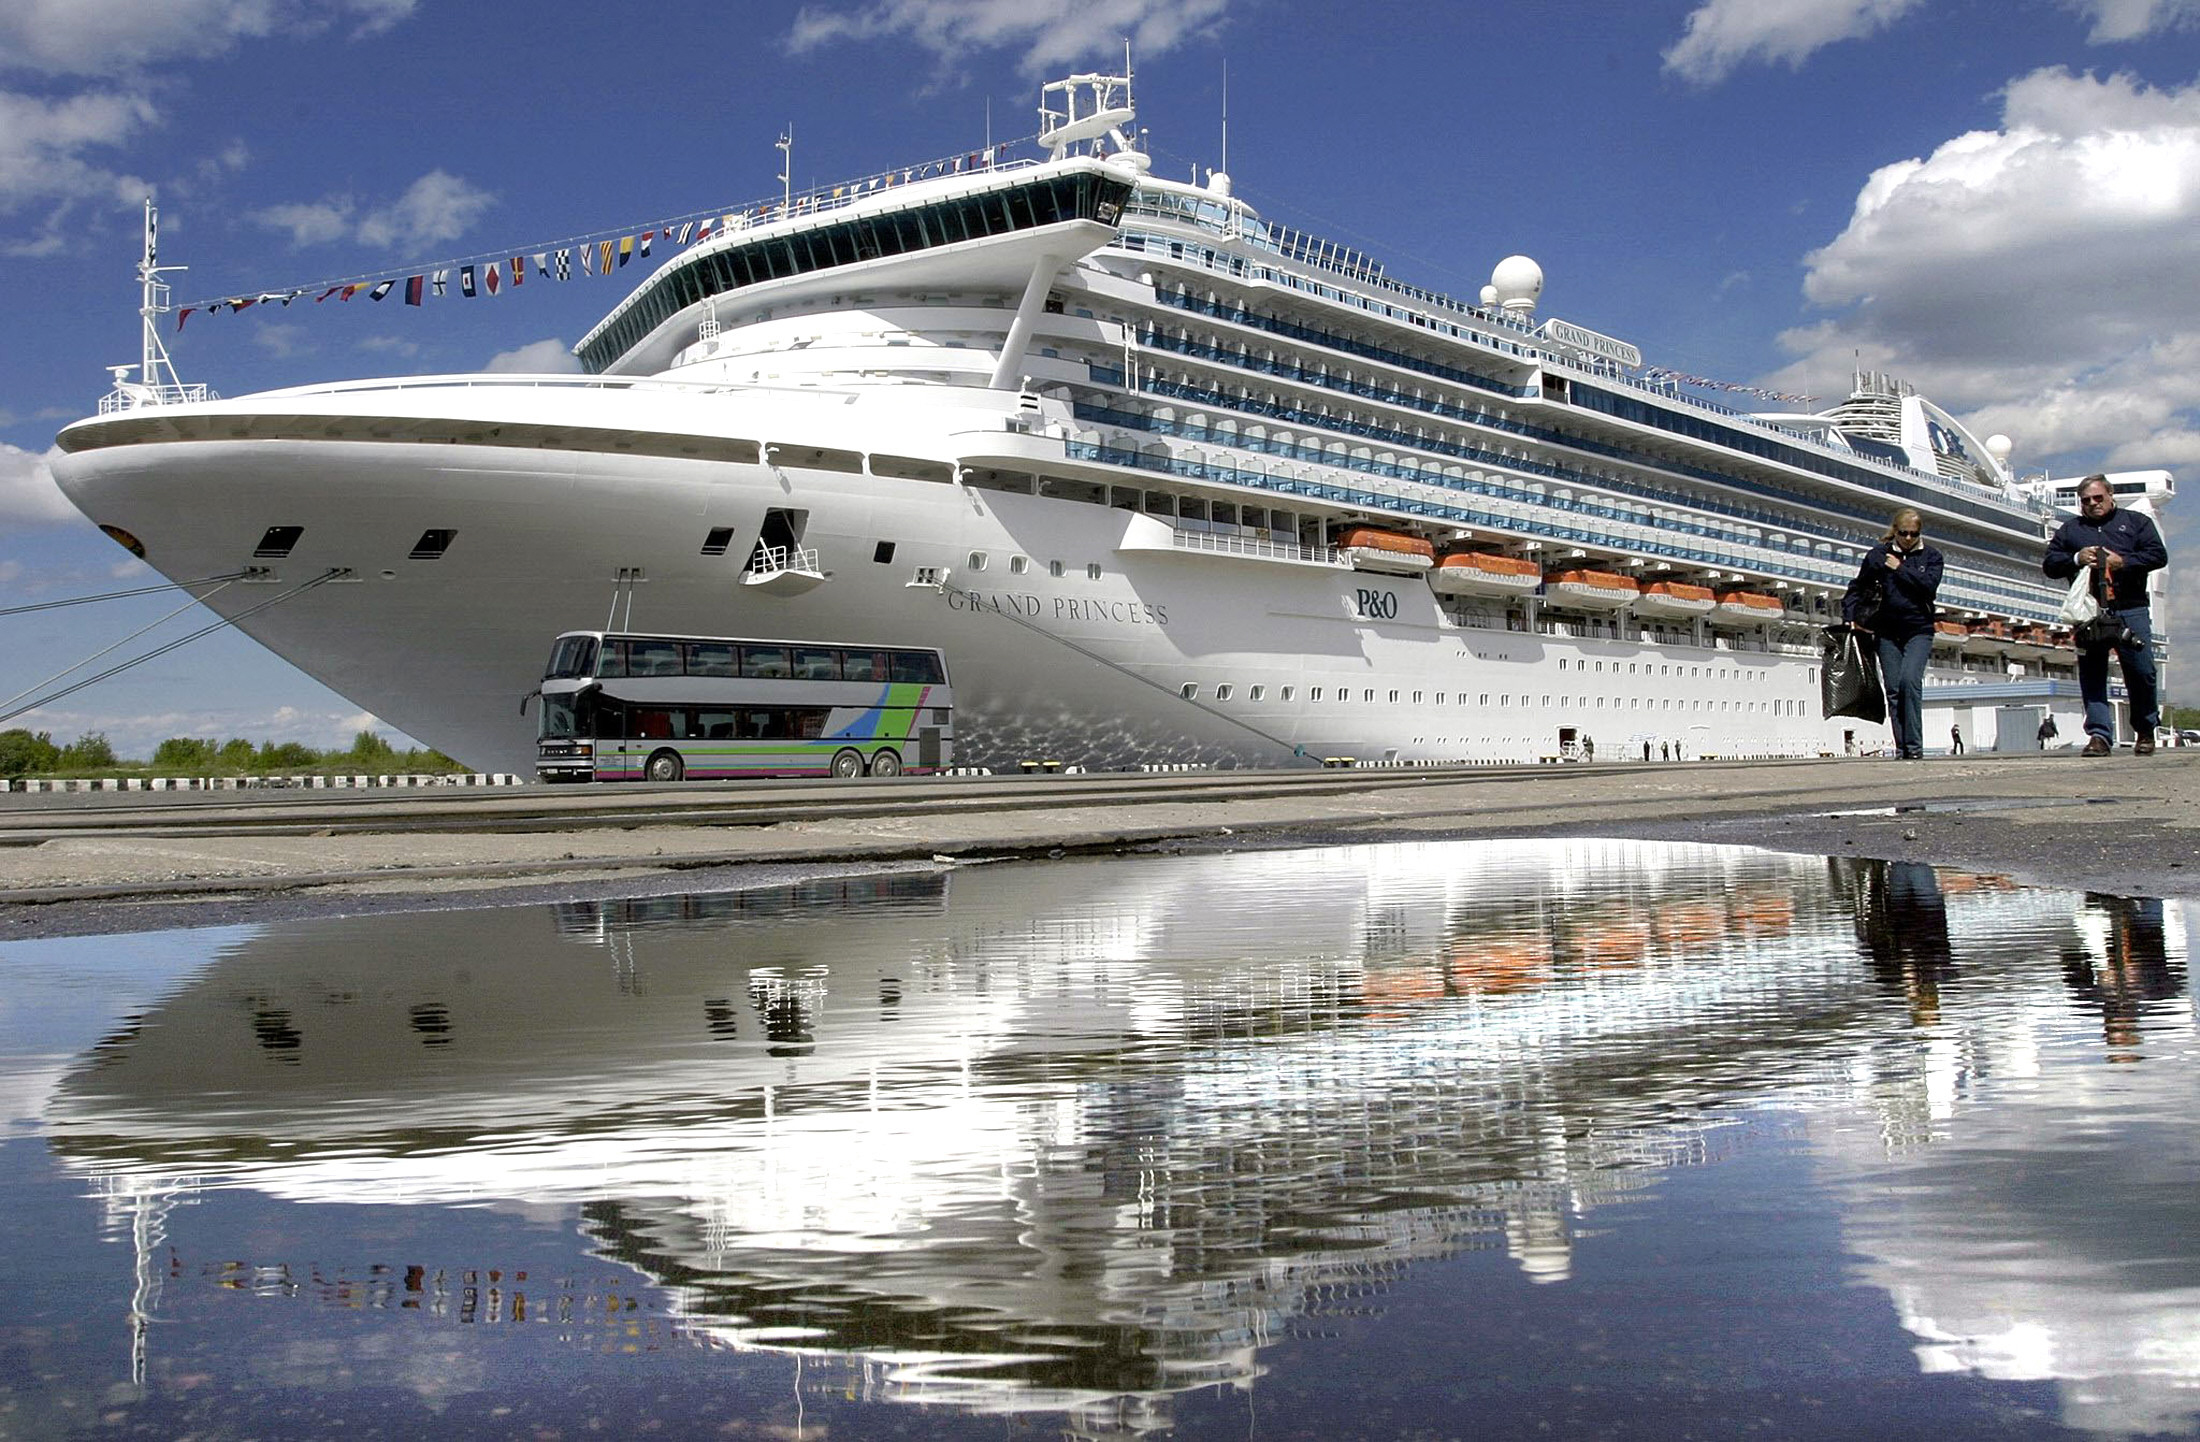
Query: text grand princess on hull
<point x="1166" y="481"/>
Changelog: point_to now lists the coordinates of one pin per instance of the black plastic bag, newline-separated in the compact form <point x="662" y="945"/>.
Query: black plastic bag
<point x="1848" y="678"/>
<point x="2103" y="631"/>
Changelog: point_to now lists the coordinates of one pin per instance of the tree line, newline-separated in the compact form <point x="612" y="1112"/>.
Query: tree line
<point x="35" y="753"/>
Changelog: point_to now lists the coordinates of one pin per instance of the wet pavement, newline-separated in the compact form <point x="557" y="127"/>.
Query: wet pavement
<point x="1431" y="1138"/>
<point x="2125" y="825"/>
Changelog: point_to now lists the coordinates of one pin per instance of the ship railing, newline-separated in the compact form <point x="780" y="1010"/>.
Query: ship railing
<point x="131" y="396"/>
<point x="1931" y="479"/>
<point x="1186" y="540"/>
<point x="771" y="560"/>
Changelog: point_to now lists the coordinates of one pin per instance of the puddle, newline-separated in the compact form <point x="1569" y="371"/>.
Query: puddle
<point x="1579" y="1136"/>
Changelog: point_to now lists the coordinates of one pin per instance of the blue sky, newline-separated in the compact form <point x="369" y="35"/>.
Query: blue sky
<point x="1998" y="199"/>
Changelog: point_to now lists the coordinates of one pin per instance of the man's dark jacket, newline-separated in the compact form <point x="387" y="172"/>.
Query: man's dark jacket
<point x="2127" y="533"/>
<point x="1906" y="596"/>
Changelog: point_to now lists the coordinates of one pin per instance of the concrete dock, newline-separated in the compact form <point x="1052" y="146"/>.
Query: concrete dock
<point x="77" y="864"/>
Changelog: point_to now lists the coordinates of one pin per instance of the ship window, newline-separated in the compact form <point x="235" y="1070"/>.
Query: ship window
<point x="432" y="544"/>
<point x="1562" y="663"/>
<point x="718" y="540"/>
<point x="977" y="560"/>
<point x="1017" y="565"/>
<point x="1368" y="694"/>
<point x="1314" y="694"/>
<point x="278" y="540"/>
<point x="883" y="553"/>
<point x="1054" y="568"/>
<point x="1417" y="698"/>
<point x="1393" y="698"/>
<point x="1189" y="690"/>
<point x="1092" y="570"/>
<point x="1224" y="691"/>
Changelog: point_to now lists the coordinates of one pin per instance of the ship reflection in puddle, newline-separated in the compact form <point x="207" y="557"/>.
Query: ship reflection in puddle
<point x="1097" y="1138"/>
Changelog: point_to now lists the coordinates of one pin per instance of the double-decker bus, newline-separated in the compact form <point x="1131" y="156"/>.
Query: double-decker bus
<point x="621" y="707"/>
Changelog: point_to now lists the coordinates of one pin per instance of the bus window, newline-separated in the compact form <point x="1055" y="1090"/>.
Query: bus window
<point x="920" y="666"/>
<point x="813" y="663"/>
<point x="613" y="661"/>
<point x="564" y="716"/>
<point x="765" y="662"/>
<point x="653" y="658"/>
<point x="711" y="658"/>
<point x="657" y="723"/>
<point x="574" y="657"/>
<point x="715" y="725"/>
<point x="807" y="723"/>
<point x="863" y="665"/>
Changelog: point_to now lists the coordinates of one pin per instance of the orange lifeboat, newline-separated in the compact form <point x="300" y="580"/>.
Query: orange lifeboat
<point x="1367" y="548"/>
<point x="1480" y="573"/>
<point x="1747" y="608"/>
<point x="1987" y="638"/>
<point x="1675" y="598"/>
<point x="1599" y="590"/>
<point x="1949" y="633"/>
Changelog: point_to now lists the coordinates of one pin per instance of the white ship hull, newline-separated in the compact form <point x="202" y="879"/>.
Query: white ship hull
<point x="1087" y="670"/>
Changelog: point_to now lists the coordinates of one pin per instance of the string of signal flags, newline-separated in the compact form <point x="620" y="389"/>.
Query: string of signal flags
<point x="595" y="254"/>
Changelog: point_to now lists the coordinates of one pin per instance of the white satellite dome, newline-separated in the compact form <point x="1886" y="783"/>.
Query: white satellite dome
<point x="1518" y="282"/>
<point x="1999" y="446"/>
<point x="1489" y="295"/>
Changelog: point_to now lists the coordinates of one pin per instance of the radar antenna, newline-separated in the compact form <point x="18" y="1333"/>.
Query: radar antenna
<point x="1092" y="107"/>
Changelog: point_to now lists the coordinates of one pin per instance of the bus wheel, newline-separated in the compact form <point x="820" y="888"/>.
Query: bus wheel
<point x="886" y="763"/>
<point x="664" y="766"/>
<point x="848" y="763"/>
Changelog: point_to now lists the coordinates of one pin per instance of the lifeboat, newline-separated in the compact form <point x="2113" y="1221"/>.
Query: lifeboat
<point x="1675" y="598"/>
<point x="1747" y="608"/>
<point x="1478" y="573"/>
<point x="1948" y="635"/>
<point x="2030" y="642"/>
<point x="1598" y="590"/>
<point x="1365" y="548"/>
<point x="1987" y="638"/>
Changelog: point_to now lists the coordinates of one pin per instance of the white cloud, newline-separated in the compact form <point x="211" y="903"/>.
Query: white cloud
<point x="95" y="92"/>
<point x="1723" y="35"/>
<point x="1050" y="32"/>
<point x="2117" y="20"/>
<point x="112" y="37"/>
<point x="437" y="207"/>
<point x="28" y="495"/>
<point x="2036" y="279"/>
<point x="542" y="357"/>
<point x="282" y="340"/>
<point x="309" y="224"/>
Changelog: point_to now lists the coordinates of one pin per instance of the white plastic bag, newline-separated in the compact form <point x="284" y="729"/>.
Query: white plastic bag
<point x="2079" y="606"/>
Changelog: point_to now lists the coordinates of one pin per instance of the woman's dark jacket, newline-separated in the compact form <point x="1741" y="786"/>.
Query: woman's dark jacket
<point x="1906" y="596"/>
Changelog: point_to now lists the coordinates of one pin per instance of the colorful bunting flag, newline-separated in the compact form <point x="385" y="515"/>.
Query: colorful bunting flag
<point x="324" y="295"/>
<point x="441" y="283"/>
<point x="565" y="264"/>
<point x="519" y="269"/>
<point x="380" y="290"/>
<point x="603" y="257"/>
<point x="413" y="284"/>
<point x="645" y="241"/>
<point x="626" y="249"/>
<point x="184" y="315"/>
<point x="466" y="281"/>
<point x="542" y="264"/>
<point x="492" y="280"/>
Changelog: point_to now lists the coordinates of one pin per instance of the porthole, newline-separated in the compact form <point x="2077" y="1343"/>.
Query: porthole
<point x="1285" y="694"/>
<point x="1258" y="693"/>
<point x="1092" y="570"/>
<point x="1224" y="691"/>
<point x="1189" y="690"/>
<point x="1017" y="565"/>
<point x="1054" y="568"/>
<point x="977" y="560"/>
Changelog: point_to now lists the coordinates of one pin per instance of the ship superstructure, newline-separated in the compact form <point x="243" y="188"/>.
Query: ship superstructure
<point x="1169" y="481"/>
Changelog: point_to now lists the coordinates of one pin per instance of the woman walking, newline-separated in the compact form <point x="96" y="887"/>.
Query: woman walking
<point x="1891" y="600"/>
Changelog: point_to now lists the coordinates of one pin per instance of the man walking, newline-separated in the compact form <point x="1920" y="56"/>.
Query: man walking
<point x="2123" y="548"/>
<point x="1955" y="736"/>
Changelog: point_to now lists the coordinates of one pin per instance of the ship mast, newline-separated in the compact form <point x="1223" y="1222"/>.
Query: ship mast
<point x="157" y="383"/>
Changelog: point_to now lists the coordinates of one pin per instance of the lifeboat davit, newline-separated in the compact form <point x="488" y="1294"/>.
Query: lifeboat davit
<point x="1479" y="573"/>
<point x="1987" y="638"/>
<point x="1677" y="599"/>
<point x="1747" y="608"/>
<point x="1366" y="548"/>
<point x="1600" y="590"/>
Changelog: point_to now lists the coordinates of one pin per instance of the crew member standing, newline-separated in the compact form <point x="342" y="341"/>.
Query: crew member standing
<point x="1903" y="574"/>
<point x="2123" y="548"/>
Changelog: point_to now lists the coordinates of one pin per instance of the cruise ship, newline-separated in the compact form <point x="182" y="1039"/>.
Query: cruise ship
<point x="1168" y="482"/>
